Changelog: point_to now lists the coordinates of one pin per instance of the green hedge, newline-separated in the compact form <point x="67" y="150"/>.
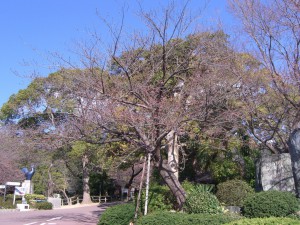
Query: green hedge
<point x="270" y="203"/>
<point x="43" y="205"/>
<point x="118" y="215"/>
<point x="266" y="221"/>
<point x="172" y="218"/>
<point x="233" y="192"/>
<point x="29" y="197"/>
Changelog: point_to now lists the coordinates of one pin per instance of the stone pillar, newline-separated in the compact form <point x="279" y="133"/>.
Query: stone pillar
<point x="28" y="185"/>
<point x="294" y="149"/>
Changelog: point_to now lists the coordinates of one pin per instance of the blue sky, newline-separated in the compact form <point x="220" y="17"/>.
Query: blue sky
<point x="32" y="29"/>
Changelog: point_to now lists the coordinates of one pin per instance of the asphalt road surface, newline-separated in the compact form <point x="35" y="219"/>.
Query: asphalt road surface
<point x="75" y="215"/>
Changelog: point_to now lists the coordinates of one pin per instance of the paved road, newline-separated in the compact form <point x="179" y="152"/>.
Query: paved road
<point x="83" y="215"/>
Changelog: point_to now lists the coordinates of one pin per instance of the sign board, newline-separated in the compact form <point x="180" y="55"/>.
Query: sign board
<point x="2" y="186"/>
<point x="13" y="183"/>
<point x="20" y="191"/>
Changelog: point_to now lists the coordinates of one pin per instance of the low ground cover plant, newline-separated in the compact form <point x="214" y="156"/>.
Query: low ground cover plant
<point x="176" y="218"/>
<point x="265" y="221"/>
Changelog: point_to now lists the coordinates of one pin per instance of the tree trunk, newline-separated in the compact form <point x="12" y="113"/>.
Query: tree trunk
<point x="294" y="149"/>
<point x="66" y="196"/>
<point x="173" y="183"/>
<point x="85" y="180"/>
<point x="173" y="152"/>
<point x="50" y="182"/>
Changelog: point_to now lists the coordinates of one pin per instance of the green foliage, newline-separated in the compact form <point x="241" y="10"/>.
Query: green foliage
<point x="163" y="218"/>
<point x="8" y="204"/>
<point x="118" y="215"/>
<point x="160" y="198"/>
<point x="30" y="197"/>
<point x="233" y="192"/>
<point x="265" y="221"/>
<point x="199" y="200"/>
<point x="43" y="205"/>
<point x="187" y="186"/>
<point x="270" y="203"/>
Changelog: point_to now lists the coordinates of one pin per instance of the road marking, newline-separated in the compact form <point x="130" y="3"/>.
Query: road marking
<point x="56" y="218"/>
<point x="30" y="223"/>
<point x="42" y="223"/>
<point x="51" y="223"/>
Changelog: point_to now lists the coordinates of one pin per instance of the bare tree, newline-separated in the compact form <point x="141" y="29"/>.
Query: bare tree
<point x="158" y="84"/>
<point x="274" y="28"/>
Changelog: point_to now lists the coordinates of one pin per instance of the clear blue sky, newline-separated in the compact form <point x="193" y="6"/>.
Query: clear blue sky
<point x="31" y="29"/>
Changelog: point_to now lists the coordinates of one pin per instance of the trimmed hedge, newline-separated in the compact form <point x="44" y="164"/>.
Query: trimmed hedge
<point x="266" y="221"/>
<point x="118" y="215"/>
<point x="199" y="200"/>
<point x="270" y="203"/>
<point x="29" y="197"/>
<point x="43" y="205"/>
<point x="233" y="192"/>
<point x="165" y="218"/>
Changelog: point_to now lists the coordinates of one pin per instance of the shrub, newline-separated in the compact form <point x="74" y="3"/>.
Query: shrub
<point x="30" y="197"/>
<point x="201" y="201"/>
<point x="160" y="199"/>
<point x="118" y="215"/>
<point x="43" y="205"/>
<point x="8" y="203"/>
<point x="233" y="192"/>
<point x="265" y="221"/>
<point x="163" y="218"/>
<point x="270" y="203"/>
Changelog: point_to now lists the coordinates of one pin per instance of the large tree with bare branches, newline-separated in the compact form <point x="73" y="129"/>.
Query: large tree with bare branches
<point x="274" y="28"/>
<point x="145" y="93"/>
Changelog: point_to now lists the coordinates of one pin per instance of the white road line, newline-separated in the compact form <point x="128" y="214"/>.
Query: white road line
<point x="42" y="223"/>
<point x="51" y="223"/>
<point x="30" y="223"/>
<point x="56" y="218"/>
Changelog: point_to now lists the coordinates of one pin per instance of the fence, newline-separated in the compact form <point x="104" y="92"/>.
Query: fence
<point x="78" y="199"/>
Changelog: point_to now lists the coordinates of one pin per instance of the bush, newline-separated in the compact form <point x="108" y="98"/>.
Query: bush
<point x="163" y="218"/>
<point x="270" y="203"/>
<point x="43" y="205"/>
<point x="30" y="197"/>
<point x="118" y="215"/>
<point x="265" y="221"/>
<point x="160" y="199"/>
<point x="233" y="192"/>
<point x="201" y="201"/>
<point x="8" y="203"/>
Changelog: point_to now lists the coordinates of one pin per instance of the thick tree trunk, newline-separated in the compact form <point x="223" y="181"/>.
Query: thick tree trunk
<point x="173" y="152"/>
<point x="294" y="149"/>
<point x="85" y="180"/>
<point x="173" y="183"/>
